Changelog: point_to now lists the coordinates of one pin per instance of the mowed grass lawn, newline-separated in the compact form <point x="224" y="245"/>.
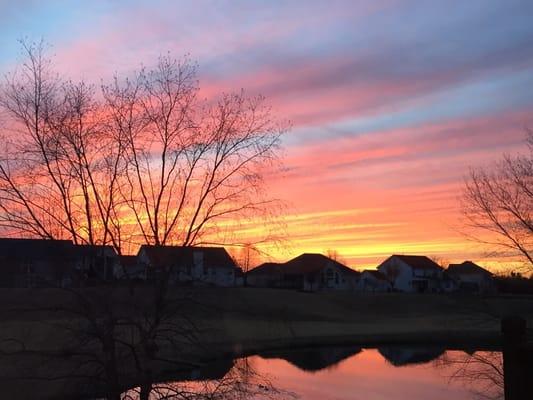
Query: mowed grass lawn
<point x="251" y="316"/>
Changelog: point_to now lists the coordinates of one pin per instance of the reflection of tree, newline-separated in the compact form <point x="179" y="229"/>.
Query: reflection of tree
<point x="481" y="371"/>
<point x="241" y="382"/>
<point x="62" y="377"/>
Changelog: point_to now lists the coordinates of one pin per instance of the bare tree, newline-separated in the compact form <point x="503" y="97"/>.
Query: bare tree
<point x="246" y="257"/>
<point x="149" y="163"/>
<point x="335" y="256"/>
<point x="442" y="262"/>
<point x="497" y="205"/>
<point x="481" y="371"/>
<point x="142" y="161"/>
<point x="59" y="168"/>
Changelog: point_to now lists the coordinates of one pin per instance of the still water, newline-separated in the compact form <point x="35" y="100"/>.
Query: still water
<point x="386" y="373"/>
<point x="341" y="373"/>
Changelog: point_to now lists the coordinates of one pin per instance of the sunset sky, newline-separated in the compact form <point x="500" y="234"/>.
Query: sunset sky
<point x="390" y="101"/>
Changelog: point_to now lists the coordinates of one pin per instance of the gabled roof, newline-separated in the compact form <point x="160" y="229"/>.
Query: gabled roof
<point x="90" y="250"/>
<point x="163" y="256"/>
<point x="34" y="249"/>
<point x="376" y="274"/>
<point x="313" y="262"/>
<point x="419" y="262"/>
<point x="467" y="267"/>
<point x="266" y="269"/>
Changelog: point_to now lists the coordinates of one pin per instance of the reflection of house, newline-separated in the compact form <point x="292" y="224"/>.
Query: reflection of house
<point x="208" y="265"/>
<point x="96" y="263"/>
<point x="372" y="280"/>
<point x="314" y="359"/>
<point x="399" y="356"/>
<point x="35" y="262"/>
<point x="412" y="273"/>
<point x="265" y="275"/>
<point x="471" y="277"/>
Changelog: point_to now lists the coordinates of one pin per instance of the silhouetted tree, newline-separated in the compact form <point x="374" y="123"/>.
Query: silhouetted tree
<point x="246" y="257"/>
<point x="146" y="161"/>
<point x="143" y="161"/>
<point x="497" y="205"/>
<point x="335" y="256"/>
<point x="440" y="261"/>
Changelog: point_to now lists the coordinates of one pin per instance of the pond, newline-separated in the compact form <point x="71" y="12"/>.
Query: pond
<point x="386" y="373"/>
<point x="346" y="372"/>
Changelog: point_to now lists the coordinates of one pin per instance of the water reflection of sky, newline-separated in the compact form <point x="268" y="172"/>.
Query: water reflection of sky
<point x="367" y="375"/>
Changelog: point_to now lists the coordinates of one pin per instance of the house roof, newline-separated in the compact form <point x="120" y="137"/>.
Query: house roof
<point x="161" y="256"/>
<point x="266" y="269"/>
<point x="419" y="262"/>
<point x="89" y="250"/>
<point x="35" y="249"/>
<point x="467" y="267"/>
<point x="303" y="264"/>
<point x="313" y="262"/>
<point x="376" y="274"/>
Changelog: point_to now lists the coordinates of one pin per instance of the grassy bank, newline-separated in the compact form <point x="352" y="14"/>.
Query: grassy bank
<point x="245" y="318"/>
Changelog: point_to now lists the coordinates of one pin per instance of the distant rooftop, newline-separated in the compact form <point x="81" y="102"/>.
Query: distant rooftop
<point x="43" y="249"/>
<point x="419" y="262"/>
<point x="266" y="268"/>
<point x="467" y="267"/>
<point x="313" y="262"/>
<point x="302" y="264"/>
<point x="215" y="257"/>
<point x="376" y="274"/>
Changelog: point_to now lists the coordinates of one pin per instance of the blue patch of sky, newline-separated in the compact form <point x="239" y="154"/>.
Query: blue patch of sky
<point x="479" y="98"/>
<point x="56" y="22"/>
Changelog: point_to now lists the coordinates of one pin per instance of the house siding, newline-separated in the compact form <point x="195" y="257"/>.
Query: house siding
<point x="409" y="279"/>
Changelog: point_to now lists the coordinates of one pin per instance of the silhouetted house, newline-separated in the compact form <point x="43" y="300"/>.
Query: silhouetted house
<point x="194" y="265"/>
<point x="471" y="277"/>
<point x="372" y="280"/>
<point x="448" y="283"/>
<point x="239" y="276"/>
<point x="416" y="274"/>
<point x="265" y="275"/>
<point x="96" y="263"/>
<point x="129" y="268"/>
<point x="311" y="272"/>
<point x="36" y="263"/>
